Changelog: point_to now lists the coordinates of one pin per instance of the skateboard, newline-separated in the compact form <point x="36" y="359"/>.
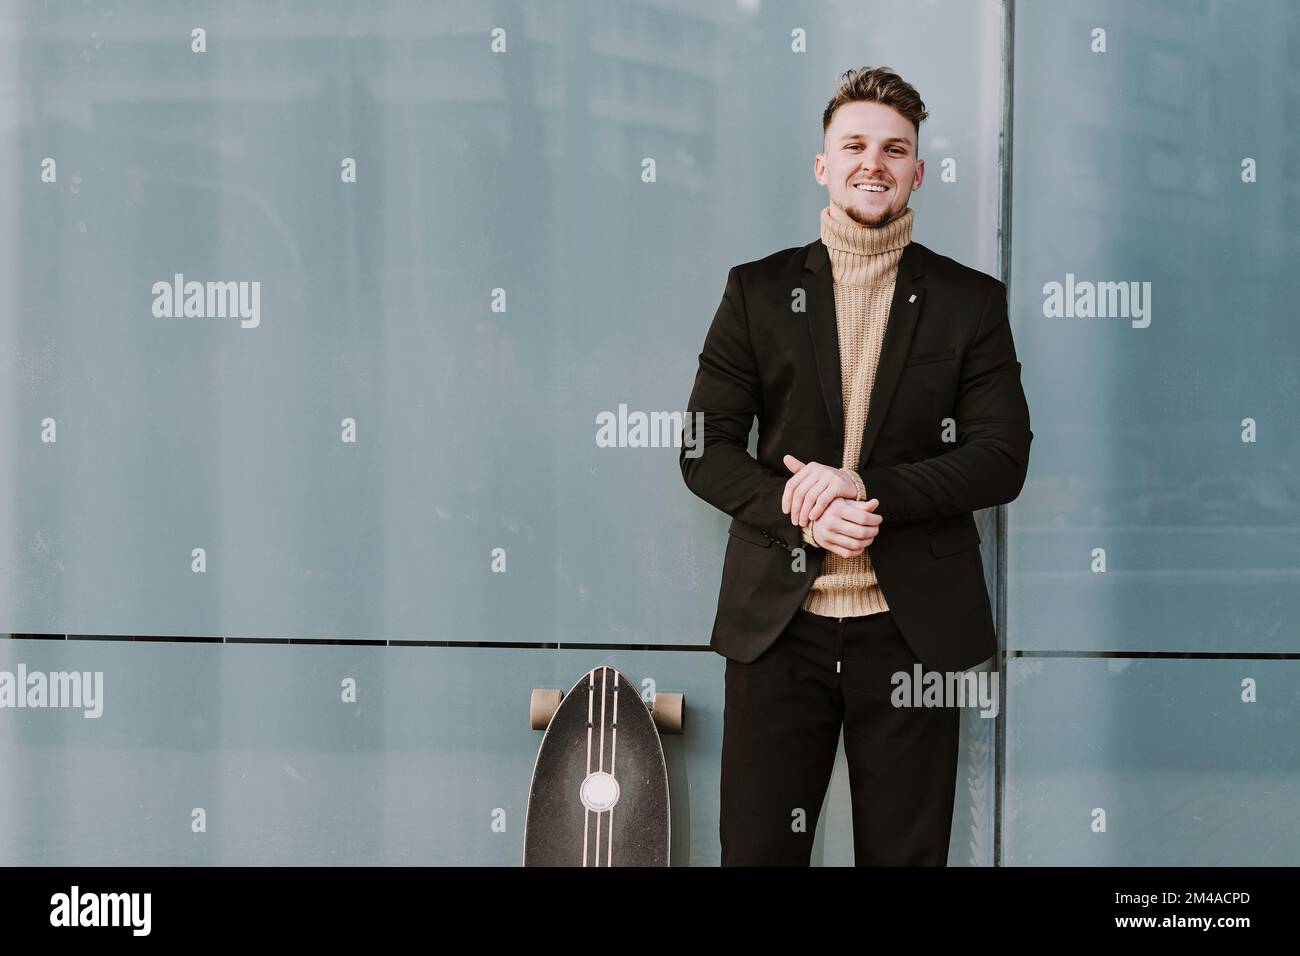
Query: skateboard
<point x="599" y="794"/>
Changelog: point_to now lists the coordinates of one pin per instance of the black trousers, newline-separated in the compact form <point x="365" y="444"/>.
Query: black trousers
<point x="781" y="729"/>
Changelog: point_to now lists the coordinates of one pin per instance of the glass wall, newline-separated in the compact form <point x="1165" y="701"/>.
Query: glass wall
<point x="450" y="240"/>
<point x="323" y="526"/>
<point x="1151" y="560"/>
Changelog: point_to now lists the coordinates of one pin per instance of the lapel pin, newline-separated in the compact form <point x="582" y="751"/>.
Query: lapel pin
<point x="913" y="298"/>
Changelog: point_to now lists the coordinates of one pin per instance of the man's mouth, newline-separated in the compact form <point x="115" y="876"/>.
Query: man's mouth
<point x="870" y="188"/>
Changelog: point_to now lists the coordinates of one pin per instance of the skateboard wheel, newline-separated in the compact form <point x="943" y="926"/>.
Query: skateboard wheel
<point x="543" y="706"/>
<point x="669" y="712"/>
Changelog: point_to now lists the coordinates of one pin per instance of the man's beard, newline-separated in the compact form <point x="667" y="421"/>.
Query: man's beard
<point x="871" y="222"/>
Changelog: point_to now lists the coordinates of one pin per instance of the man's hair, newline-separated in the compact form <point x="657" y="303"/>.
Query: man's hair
<point x="879" y="85"/>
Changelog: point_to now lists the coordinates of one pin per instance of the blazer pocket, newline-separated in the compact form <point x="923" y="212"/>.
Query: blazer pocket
<point x="953" y="538"/>
<point x="937" y="355"/>
<point x="745" y="533"/>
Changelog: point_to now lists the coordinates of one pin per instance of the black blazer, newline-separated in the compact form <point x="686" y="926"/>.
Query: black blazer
<point x="772" y="351"/>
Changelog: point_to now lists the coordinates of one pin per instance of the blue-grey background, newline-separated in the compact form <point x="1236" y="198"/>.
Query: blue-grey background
<point x="476" y="429"/>
<point x="1127" y="166"/>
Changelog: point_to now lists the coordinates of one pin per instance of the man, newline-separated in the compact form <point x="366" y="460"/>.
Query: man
<point x="888" y="395"/>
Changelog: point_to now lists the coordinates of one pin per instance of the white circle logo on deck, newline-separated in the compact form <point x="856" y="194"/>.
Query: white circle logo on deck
<point x="599" y="791"/>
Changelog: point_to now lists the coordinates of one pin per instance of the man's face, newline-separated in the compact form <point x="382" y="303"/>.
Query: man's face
<point x="869" y="143"/>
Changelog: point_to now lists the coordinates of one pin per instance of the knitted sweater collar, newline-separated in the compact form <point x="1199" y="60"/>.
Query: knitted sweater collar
<point x="863" y="254"/>
<point x="866" y="240"/>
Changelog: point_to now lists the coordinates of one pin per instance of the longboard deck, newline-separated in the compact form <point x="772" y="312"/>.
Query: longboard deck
<point x="599" y="794"/>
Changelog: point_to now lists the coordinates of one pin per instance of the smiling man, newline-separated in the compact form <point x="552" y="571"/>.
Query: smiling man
<point x="887" y="391"/>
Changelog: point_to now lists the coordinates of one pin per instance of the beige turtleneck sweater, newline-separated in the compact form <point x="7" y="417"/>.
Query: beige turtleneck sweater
<point x="864" y="264"/>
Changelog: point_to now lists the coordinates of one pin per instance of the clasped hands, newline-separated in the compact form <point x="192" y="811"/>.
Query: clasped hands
<point x="828" y="496"/>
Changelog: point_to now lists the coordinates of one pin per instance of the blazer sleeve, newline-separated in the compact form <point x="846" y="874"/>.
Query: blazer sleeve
<point x="989" y="465"/>
<point x="715" y="460"/>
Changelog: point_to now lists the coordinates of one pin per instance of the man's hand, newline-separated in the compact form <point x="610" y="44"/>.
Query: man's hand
<point x="848" y="527"/>
<point x="812" y="488"/>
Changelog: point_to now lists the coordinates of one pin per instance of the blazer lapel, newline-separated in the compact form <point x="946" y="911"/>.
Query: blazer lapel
<point x="819" y="291"/>
<point x="904" y="313"/>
